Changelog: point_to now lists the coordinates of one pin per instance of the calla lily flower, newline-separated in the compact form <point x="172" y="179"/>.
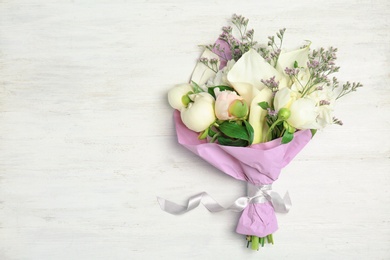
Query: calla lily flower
<point x="257" y="115"/>
<point x="287" y="59"/>
<point x="247" y="73"/>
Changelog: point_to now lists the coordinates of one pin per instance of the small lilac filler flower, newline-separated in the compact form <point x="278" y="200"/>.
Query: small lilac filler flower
<point x="271" y="83"/>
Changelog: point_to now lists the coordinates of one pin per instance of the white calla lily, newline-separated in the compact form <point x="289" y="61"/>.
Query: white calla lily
<point x="199" y="115"/>
<point x="247" y="73"/>
<point x="287" y="59"/>
<point x="257" y="115"/>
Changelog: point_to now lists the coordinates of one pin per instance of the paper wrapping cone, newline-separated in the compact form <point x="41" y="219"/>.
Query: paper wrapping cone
<point x="258" y="164"/>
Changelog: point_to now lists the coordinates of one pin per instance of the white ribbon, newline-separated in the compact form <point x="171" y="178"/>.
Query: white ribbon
<point x="256" y="194"/>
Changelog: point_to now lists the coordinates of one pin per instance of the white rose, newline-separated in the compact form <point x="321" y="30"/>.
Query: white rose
<point x="325" y="100"/>
<point x="175" y="95"/>
<point x="304" y="111"/>
<point x="325" y="116"/>
<point x="303" y="114"/>
<point x="324" y="94"/>
<point x="199" y="115"/>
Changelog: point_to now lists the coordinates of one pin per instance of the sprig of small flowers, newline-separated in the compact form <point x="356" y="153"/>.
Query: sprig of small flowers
<point x="348" y="88"/>
<point x="272" y="52"/>
<point x="238" y="46"/>
<point x="210" y="63"/>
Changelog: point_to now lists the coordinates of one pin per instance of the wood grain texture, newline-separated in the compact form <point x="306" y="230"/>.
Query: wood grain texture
<point x="87" y="139"/>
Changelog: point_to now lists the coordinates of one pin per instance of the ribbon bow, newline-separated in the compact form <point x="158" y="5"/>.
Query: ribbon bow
<point x="255" y="194"/>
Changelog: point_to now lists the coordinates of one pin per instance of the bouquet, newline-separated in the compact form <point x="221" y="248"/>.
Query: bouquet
<point x="248" y="110"/>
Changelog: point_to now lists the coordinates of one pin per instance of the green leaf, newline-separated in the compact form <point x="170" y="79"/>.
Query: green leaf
<point x="210" y="90"/>
<point x="250" y="131"/>
<point x="295" y="64"/>
<point x="222" y="140"/>
<point x="313" y="132"/>
<point x="287" y="137"/>
<point x="264" y="105"/>
<point x="234" y="130"/>
<point x="211" y="132"/>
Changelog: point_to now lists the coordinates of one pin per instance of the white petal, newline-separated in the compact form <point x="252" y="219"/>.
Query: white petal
<point x="282" y="98"/>
<point x="257" y="114"/>
<point x="202" y="73"/>
<point x="222" y="104"/>
<point x="284" y="82"/>
<point x="246" y="91"/>
<point x="325" y="116"/>
<point x="303" y="114"/>
<point x="176" y="93"/>
<point x="248" y="72"/>
<point x="287" y="59"/>
<point x="198" y="116"/>
<point x="204" y="96"/>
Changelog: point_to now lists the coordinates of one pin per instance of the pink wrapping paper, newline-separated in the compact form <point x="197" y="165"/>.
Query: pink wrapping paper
<point x="258" y="164"/>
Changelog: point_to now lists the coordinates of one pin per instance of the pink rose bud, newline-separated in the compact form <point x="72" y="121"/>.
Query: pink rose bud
<point x="229" y="105"/>
<point x="238" y="108"/>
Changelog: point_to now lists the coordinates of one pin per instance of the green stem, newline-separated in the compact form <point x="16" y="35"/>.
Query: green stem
<point x="308" y="89"/>
<point x="270" y="239"/>
<point x="262" y="240"/>
<point x="303" y="87"/>
<point x="255" y="243"/>
<point x="214" y="137"/>
<point x="269" y="132"/>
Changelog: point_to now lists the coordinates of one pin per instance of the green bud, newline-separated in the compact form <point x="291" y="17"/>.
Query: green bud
<point x="186" y="99"/>
<point x="284" y="114"/>
<point x="239" y="108"/>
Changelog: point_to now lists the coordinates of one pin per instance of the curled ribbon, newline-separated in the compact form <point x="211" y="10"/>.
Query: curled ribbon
<point x="256" y="194"/>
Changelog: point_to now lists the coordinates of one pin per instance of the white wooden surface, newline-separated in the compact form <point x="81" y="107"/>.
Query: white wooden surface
<point x="87" y="139"/>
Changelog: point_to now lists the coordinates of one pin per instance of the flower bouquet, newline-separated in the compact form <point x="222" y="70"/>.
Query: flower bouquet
<point x="248" y="110"/>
